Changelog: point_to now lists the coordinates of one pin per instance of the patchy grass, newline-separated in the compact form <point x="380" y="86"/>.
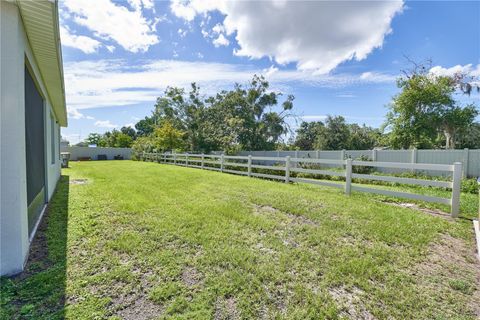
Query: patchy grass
<point x="139" y="240"/>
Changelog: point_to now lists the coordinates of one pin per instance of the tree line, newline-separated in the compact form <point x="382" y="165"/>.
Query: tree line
<point x="424" y="114"/>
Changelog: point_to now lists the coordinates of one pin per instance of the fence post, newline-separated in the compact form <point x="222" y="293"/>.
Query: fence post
<point x="221" y="163"/>
<point x="287" y="169"/>
<point x="374" y="154"/>
<point x="414" y="157"/>
<point x="249" y="165"/>
<point x="317" y="154"/>
<point x="348" y="176"/>
<point x="175" y="158"/>
<point x="186" y="160"/>
<point x="465" y="162"/>
<point x="203" y="159"/>
<point x="143" y="156"/>
<point x="457" y="182"/>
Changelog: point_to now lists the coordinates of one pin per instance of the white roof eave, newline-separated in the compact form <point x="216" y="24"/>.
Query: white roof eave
<point x="40" y="19"/>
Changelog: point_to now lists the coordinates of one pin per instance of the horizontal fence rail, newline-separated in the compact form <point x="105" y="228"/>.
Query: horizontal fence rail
<point x="282" y="168"/>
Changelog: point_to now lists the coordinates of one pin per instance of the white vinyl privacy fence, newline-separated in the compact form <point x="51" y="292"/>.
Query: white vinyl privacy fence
<point x="281" y="168"/>
<point x="470" y="158"/>
<point x="77" y="153"/>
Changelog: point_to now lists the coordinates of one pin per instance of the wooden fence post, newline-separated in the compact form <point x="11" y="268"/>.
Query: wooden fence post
<point x="348" y="176"/>
<point x="457" y="183"/>
<point x="249" y="165"/>
<point x="186" y="160"/>
<point x="287" y="169"/>
<point x="175" y="158"/>
<point x="203" y="159"/>
<point x="374" y="154"/>
<point x="221" y="163"/>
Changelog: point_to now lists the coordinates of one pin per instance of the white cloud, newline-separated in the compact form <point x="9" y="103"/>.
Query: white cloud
<point x="139" y="4"/>
<point x="188" y="10"/>
<point x="218" y="28"/>
<point x="205" y="33"/>
<point x="110" y="48"/>
<point x="270" y="71"/>
<point x="467" y="69"/>
<point x="83" y="43"/>
<point x="182" y="32"/>
<point x="377" y="77"/>
<point x="73" y="113"/>
<point x="105" y="124"/>
<point x="130" y="29"/>
<point x="317" y="35"/>
<point x="104" y="83"/>
<point x="220" y="41"/>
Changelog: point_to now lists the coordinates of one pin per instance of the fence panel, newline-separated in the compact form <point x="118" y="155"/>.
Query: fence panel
<point x="93" y="153"/>
<point x="470" y="159"/>
<point x="285" y="165"/>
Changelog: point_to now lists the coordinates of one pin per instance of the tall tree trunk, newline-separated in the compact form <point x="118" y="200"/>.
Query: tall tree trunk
<point x="449" y="138"/>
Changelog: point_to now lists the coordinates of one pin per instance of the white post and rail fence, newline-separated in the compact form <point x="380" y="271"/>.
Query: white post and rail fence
<point x="285" y="166"/>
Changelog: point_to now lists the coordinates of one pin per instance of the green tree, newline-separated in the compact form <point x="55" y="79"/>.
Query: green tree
<point x="242" y="118"/>
<point x="129" y="131"/>
<point x="470" y="137"/>
<point x="145" y="126"/>
<point x="245" y="116"/>
<point x="93" y="138"/>
<point x="363" y="137"/>
<point x="334" y="136"/>
<point x="167" y="137"/>
<point x="143" y="144"/>
<point x="123" y="140"/>
<point x="425" y="108"/>
<point x="307" y="134"/>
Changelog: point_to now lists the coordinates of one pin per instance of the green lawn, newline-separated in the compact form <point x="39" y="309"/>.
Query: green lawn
<point x="141" y="240"/>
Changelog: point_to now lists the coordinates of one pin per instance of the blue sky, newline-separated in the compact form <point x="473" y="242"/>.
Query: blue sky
<point x="338" y="58"/>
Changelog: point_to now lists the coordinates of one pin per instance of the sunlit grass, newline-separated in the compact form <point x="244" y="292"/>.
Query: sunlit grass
<point x="193" y="244"/>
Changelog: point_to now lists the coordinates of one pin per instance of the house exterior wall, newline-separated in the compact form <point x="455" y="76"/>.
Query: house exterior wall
<point x="15" y="54"/>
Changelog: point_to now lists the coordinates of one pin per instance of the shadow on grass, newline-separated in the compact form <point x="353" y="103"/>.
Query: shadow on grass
<point x="39" y="291"/>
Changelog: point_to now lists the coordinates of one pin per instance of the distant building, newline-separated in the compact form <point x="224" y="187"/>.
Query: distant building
<point x="32" y="112"/>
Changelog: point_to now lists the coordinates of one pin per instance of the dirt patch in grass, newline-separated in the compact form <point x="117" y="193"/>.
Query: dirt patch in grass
<point x="140" y="309"/>
<point x="350" y="302"/>
<point x="301" y="220"/>
<point x="191" y="277"/>
<point x="226" y="309"/>
<point x="432" y="212"/>
<point x="78" y="181"/>
<point x="451" y="267"/>
<point x="133" y="303"/>
<point x="289" y="217"/>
